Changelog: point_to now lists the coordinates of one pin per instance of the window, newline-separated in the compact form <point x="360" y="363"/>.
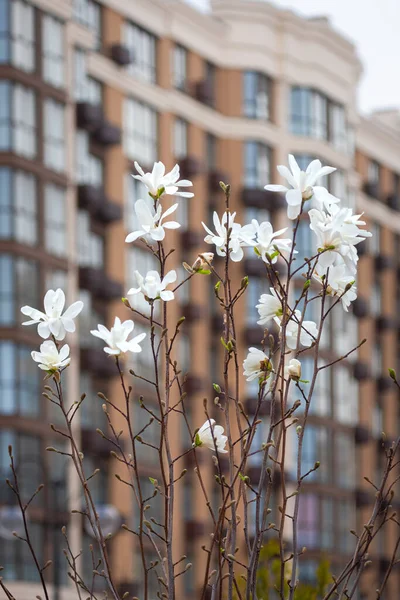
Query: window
<point x="142" y="46"/>
<point x="346" y="402"/>
<point x="374" y="172"/>
<point x="150" y="433"/>
<point x="256" y="95"/>
<point x="55" y="220"/>
<point x="345" y="457"/>
<point x="338" y="127"/>
<point x="180" y="138"/>
<point x="18" y="206"/>
<point x="20" y="381"/>
<point x="54" y="135"/>
<point x="308" y="523"/>
<point x="140" y="131"/>
<point x="314" y="115"/>
<point x="89" y="168"/>
<point x="304" y="243"/>
<point x="316" y="448"/>
<point x="346" y="522"/>
<point x="17" y="119"/>
<point x="17" y="34"/>
<point x="337" y="184"/>
<point x="53" y="51"/>
<point x="257" y="159"/>
<point x="19" y="286"/>
<point x="259" y="214"/>
<point x="210" y="77"/>
<point x="134" y="190"/>
<point x="88" y="13"/>
<point x="375" y="303"/>
<point x="211" y="152"/>
<point x="86" y="89"/>
<point x="179" y="67"/>
<point x="321" y="397"/>
<point x="90" y="244"/>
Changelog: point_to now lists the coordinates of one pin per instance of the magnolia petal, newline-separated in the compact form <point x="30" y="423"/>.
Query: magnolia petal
<point x="167" y="295"/>
<point x="171" y="225"/>
<point x="275" y="188"/>
<point x="73" y="311"/>
<point x="286" y="174"/>
<point x="138" y="169"/>
<point x="144" y="213"/>
<point x="132" y="237"/>
<point x="44" y="329"/>
<point x="64" y="352"/>
<point x="157" y="234"/>
<point x="170" y="277"/>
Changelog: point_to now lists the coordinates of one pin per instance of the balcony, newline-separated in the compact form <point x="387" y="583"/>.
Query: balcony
<point x="99" y="284"/>
<point x="194" y="384"/>
<point x="192" y="312"/>
<point x="383" y="323"/>
<point x="88" y="116"/>
<point x="190" y="166"/>
<point x="360" y="308"/>
<point x="362" y="435"/>
<point x="254" y="335"/>
<point x="371" y="189"/>
<point x="214" y="177"/>
<point x="93" y="199"/>
<point x="204" y="92"/>
<point x="393" y="201"/>
<point x="261" y="198"/>
<point x="93" y="443"/>
<point x="363" y="498"/>
<point x="255" y="267"/>
<point x="194" y="529"/>
<point x="383" y="262"/>
<point x="97" y="362"/>
<point x="191" y="239"/>
<point x="383" y="383"/>
<point x="121" y="55"/>
<point x="107" y="134"/>
<point x="361" y="371"/>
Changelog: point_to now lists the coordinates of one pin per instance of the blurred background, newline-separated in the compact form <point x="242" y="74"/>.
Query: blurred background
<point x="227" y="89"/>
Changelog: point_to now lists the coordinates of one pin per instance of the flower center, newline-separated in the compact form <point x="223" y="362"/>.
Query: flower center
<point x="308" y="193"/>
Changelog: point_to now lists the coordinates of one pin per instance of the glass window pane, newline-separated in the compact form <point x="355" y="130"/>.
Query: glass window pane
<point x="54" y="135"/>
<point x="53" y="50"/>
<point x="142" y="45"/>
<point x="55" y="220"/>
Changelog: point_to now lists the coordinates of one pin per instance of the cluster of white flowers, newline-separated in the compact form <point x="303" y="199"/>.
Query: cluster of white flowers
<point x="337" y="233"/>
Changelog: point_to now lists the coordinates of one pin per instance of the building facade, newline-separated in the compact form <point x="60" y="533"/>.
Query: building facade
<point x="86" y="89"/>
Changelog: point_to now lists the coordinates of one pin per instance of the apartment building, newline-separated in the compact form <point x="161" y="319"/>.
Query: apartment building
<point x="87" y="88"/>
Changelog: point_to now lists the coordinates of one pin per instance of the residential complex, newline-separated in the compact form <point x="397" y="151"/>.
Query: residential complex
<point x="86" y="89"/>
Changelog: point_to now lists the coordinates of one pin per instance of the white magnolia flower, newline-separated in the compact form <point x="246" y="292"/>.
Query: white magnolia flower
<point x="238" y="237"/>
<point x="339" y="278"/>
<point x="52" y="321"/>
<point x="308" y="333"/>
<point x="117" y="337"/>
<point x="337" y="235"/>
<point x="266" y="242"/>
<point x="151" y="222"/>
<point x="270" y="306"/>
<point x="152" y="287"/>
<point x="158" y="182"/>
<point x="211" y="436"/>
<point x="303" y="185"/>
<point x="293" y="369"/>
<point x="256" y="365"/>
<point x="50" y="358"/>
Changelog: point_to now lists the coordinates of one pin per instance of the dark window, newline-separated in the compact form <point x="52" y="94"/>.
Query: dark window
<point x="316" y="449"/>
<point x="19" y="285"/>
<point x="142" y="45"/>
<point x="210" y="78"/>
<point x="256" y="95"/>
<point x="345" y="457"/>
<point x="17" y="34"/>
<point x="18" y="206"/>
<point x="257" y="164"/>
<point x="211" y="151"/>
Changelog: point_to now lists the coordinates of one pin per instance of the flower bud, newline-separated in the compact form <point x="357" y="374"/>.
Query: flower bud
<point x="293" y="369"/>
<point x="203" y="261"/>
